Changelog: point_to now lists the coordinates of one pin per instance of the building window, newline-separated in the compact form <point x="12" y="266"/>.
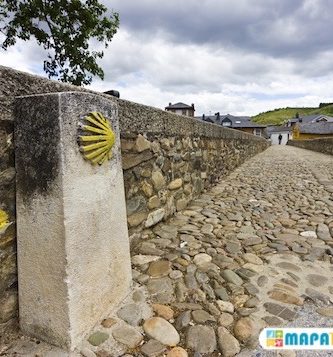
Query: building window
<point x="184" y="111"/>
<point x="226" y="123"/>
<point x="257" y="132"/>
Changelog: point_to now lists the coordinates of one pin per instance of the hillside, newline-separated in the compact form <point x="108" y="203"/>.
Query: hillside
<point x="278" y="116"/>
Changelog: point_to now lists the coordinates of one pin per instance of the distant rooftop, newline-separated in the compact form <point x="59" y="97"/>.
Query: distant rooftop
<point x="313" y="118"/>
<point x="242" y="122"/>
<point x="278" y="128"/>
<point x="179" y="106"/>
<point x="235" y="121"/>
<point x="316" y="128"/>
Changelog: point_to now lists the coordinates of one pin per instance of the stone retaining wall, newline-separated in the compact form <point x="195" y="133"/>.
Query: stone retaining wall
<point x="324" y="145"/>
<point x="167" y="161"/>
<point x="170" y="159"/>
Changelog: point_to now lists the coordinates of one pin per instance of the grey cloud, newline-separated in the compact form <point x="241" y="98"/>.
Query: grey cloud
<point x="232" y="56"/>
<point x="278" y="28"/>
<point x="320" y="65"/>
<point x="185" y="68"/>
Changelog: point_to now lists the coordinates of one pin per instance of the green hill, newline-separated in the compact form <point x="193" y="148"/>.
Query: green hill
<point x="328" y="110"/>
<point x="278" y="116"/>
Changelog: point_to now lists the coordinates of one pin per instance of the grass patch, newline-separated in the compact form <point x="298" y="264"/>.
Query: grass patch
<point x="279" y="116"/>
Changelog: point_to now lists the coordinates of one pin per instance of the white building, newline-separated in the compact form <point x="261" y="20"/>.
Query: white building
<point x="273" y="133"/>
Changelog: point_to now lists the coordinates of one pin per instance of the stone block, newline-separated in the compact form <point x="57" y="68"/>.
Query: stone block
<point x="73" y="246"/>
<point x="141" y="143"/>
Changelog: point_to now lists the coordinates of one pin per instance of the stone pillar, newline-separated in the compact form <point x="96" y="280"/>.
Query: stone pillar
<point x="73" y="246"/>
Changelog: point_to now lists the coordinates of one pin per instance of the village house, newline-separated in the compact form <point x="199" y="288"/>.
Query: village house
<point x="313" y="118"/>
<point x="242" y="123"/>
<point x="181" y="109"/>
<point x="316" y="130"/>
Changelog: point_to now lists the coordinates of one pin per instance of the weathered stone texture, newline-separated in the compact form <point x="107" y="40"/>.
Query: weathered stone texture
<point x="71" y="223"/>
<point x="12" y="84"/>
<point x="324" y="145"/>
<point x="16" y="83"/>
<point x="8" y="270"/>
<point x="168" y="160"/>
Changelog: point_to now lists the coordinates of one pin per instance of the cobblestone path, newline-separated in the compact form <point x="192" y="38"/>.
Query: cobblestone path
<point x="255" y="251"/>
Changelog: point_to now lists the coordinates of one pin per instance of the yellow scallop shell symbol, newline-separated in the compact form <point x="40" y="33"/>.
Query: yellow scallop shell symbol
<point x="96" y="145"/>
<point x="3" y="218"/>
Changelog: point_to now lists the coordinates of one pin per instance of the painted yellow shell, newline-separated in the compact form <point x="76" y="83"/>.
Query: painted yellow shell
<point x="3" y="218"/>
<point x="97" y="144"/>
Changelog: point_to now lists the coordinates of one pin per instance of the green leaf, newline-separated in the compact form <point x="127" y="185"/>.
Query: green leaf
<point x="64" y="29"/>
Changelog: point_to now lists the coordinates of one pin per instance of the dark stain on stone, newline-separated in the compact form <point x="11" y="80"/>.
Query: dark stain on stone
<point x="37" y="136"/>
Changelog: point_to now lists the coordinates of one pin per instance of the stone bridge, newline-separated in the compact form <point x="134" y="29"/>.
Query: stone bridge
<point x="188" y="242"/>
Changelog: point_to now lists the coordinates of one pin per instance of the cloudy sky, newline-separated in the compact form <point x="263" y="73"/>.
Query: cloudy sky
<point x="232" y="56"/>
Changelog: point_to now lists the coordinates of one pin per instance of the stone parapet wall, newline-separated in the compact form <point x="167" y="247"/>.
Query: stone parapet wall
<point x="16" y="83"/>
<point x="324" y="145"/>
<point x="168" y="160"/>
